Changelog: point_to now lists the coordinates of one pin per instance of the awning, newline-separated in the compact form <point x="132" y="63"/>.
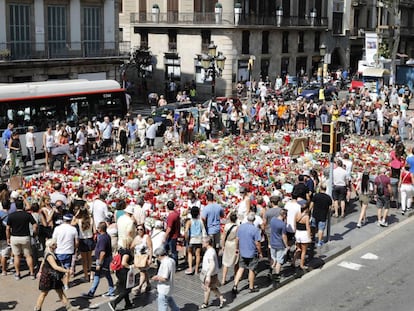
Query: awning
<point x="375" y="72"/>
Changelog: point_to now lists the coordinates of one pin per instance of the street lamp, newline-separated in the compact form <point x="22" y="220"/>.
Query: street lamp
<point x="213" y="64"/>
<point x="322" y="53"/>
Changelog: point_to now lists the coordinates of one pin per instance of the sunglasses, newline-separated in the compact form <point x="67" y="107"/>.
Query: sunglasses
<point x="140" y="229"/>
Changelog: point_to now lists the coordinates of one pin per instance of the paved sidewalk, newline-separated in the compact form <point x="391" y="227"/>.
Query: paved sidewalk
<point x="21" y="295"/>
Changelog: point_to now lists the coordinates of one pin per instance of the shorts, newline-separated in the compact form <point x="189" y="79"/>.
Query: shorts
<point x="364" y="199"/>
<point x="302" y="237"/>
<point x="107" y="142"/>
<point x="20" y="245"/>
<point x="215" y="240"/>
<point x="249" y="263"/>
<point x="214" y="282"/>
<point x="316" y="223"/>
<point x="65" y="260"/>
<point x="383" y="202"/>
<point x="278" y="255"/>
<point x="5" y="249"/>
<point x="150" y="142"/>
<point x="86" y="245"/>
<point x="339" y="193"/>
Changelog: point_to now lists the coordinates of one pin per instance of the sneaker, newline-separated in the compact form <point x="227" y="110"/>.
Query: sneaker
<point x="384" y="224"/>
<point x="87" y="295"/>
<point x="402" y="213"/>
<point x="379" y="222"/>
<point x="111" y="306"/>
<point x="65" y="287"/>
<point x="189" y="271"/>
<point x="33" y="277"/>
<point x="359" y="225"/>
<point x="17" y="277"/>
<point x="108" y="295"/>
<point x="4" y="273"/>
<point x="320" y="243"/>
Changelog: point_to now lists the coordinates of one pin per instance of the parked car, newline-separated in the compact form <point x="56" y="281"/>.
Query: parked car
<point x="311" y="91"/>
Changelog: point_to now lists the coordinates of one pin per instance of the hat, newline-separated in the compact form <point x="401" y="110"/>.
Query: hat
<point x="129" y="209"/>
<point x="14" y="195"/>
<point x="67" y="217"/>
<point x="306" y="173"/>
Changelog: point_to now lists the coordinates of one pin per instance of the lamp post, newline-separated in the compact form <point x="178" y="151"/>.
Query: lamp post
<point x="322" y="53"/>
<point x="213" y="64"/>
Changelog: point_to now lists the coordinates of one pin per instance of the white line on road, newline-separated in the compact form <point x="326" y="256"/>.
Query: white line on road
<point x="369" y="256"/>
<point x="350" y="265"/>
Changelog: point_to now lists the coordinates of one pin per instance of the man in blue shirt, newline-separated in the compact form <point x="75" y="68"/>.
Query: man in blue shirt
<point x="410" y="161"/>
<point x="211" y="215"/>
<point x="278" y="241"/>
<point x="248" y="244"/>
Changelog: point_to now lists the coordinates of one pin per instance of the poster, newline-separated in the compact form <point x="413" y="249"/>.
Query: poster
<point x="371" y="47"/>
<point x="180" y="167"/>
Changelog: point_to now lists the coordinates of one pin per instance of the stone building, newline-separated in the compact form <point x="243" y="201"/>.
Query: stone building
<point x="62" y="39"/>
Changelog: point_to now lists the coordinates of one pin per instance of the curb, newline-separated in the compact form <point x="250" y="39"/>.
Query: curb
<point x="330" y="255"/>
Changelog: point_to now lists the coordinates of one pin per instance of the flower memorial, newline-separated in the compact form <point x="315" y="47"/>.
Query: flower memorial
<point x="219" y="165"/>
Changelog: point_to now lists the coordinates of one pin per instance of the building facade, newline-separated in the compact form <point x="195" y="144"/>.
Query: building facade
<point x="60" y="39"/>
<point x="283" y="37"/>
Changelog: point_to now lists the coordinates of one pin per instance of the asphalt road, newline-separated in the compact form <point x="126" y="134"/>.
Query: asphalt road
<point x="377" y="275"/>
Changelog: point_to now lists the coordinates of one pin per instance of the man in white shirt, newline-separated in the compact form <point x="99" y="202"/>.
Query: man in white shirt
<point x="99" y="208"/>
<point x="106" y="134"/>
<point x="81" y="141"/>
<point x="165" y="279"/>
<point x="292" y="207"/>
<point x="30" y="146"/>
<point x="340" y="182"/>
<point x="67" y="241"/>
<point x="141" y="129"/>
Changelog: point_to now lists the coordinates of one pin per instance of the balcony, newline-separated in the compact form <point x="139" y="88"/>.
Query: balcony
<point x="27" y="50"/>
<point x="188" y="19"/>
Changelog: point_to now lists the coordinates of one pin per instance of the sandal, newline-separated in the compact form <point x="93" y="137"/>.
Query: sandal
<point x="203" y="306"/>
<point x="222" y="301"/>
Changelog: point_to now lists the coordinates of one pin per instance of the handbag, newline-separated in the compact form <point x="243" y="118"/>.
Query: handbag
<point x="130" y="280"/>
<point x="141" y="261"/>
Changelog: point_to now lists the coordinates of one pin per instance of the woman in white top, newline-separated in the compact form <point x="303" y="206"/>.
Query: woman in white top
<point x="244" y="205"/>
<point x="84" y="220"/>
<point x="48" y="140"/>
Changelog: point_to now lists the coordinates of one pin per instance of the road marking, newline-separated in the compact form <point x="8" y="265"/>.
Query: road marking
<point x="369" y="256"/>
<point x="350" y="265"/>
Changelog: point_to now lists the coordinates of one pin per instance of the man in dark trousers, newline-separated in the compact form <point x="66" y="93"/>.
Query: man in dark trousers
<point x="320" y="206"/>
<point x="103" y="255"/>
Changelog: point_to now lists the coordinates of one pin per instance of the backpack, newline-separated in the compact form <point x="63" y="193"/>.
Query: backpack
<point x="116" y="263"/>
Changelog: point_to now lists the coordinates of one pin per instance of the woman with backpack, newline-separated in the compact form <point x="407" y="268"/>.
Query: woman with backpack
<point x="194" y="232"/>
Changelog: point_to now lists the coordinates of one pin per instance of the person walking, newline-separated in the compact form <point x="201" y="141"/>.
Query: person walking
<point x="340" y="181"/>
<point x="67" y="239"/>
<point x="141" y="127"/>
<point x="363" y="191"/>
<point x="50" y="268"/>
<point x="165" y="279"/>
<point x="406" y="188"/>
<point x="31" y="146"/>
<point x="278" y="242"/>
<point x="142" y="245"/>
<point x="194" y="232"/>
<point x="230" y="253"/>
<point x="209" y="274"/>
<point x="173" y="230"/>
<point x="383" y="195"/>
<point x="103" y="255"/>
<point x="302" y="235"/>
<point x="18" y="237"/>
<point x="15" y="148"/>
<point x="211" y="215"/>
<point x="320" y="207"/>
<point x="127" y="260"/>
<point x="248" y="244"/>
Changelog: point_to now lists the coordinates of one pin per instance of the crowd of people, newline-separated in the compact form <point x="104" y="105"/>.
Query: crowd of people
<point x="244" y="215"/>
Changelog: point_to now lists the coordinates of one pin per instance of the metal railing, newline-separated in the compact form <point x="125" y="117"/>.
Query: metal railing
<point x="225" y="19"/>
<point x="25" y="50"/>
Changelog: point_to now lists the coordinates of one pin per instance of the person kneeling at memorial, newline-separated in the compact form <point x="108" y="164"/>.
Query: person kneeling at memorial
<point x="60" y="153"/>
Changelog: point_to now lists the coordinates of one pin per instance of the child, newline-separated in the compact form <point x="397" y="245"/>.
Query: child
<point x="169" y="138"/>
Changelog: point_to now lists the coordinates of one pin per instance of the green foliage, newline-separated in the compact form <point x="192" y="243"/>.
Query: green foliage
<point x="383" y="50"/>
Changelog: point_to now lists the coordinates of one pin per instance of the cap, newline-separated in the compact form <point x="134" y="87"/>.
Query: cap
<point x="67" y="217"/>
<point x="306" y="173"/>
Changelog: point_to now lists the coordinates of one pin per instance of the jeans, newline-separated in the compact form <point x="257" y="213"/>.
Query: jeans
<point x="358" y="126"/>
<point x="31" y="155"/>
<point x="164" y="301"/>
<point x="172" y="247"/>
<point x="324" y="118"/>
<point x="96" y="279"/>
